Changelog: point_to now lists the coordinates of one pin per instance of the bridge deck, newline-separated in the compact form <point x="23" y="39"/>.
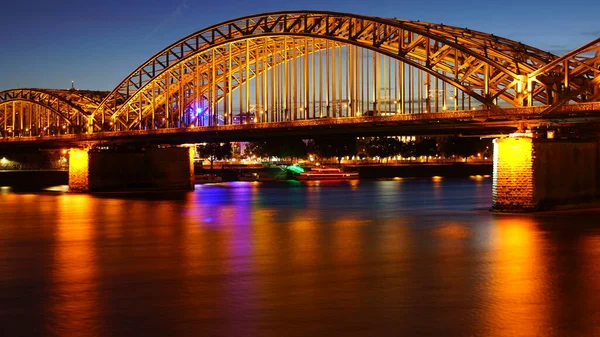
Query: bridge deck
<point x="451" y="122"/>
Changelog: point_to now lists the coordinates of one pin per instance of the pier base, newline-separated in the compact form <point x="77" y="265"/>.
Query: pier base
<point x="156" y="168"/>
<point x="542" y="174"/>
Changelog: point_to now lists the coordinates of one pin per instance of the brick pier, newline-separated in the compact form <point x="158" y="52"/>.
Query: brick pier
<point x="532" y="174"/>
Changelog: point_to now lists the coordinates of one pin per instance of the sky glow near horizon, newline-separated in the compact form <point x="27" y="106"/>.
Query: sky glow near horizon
<point x="48" y="44"/>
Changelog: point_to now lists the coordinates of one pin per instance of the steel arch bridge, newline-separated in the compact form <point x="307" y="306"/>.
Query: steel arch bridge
<point x="36" y="112"/>
<point x="302" y="65"/>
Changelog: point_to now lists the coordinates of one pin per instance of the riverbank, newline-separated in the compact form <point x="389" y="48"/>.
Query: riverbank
<point x="421" y="170"/>
<point x="39" y="179"/>
<point x="33" y="179"/>
<point x="416" y="170"/>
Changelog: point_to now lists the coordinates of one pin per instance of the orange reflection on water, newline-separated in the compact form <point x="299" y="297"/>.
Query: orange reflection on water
<point x="75" y="298"/>
<point x="347" y="241"/>
<point x="453" y="230"/>
<point x="304" y="237"/>
<point x="590" y="249"/>
<point x="519" y="300"/>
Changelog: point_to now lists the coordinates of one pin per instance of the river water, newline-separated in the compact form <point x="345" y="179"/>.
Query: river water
<point x="369" y="258"/>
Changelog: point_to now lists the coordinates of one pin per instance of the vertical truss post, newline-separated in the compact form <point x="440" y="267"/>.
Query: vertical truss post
<point x="294" y="78"/>
<point x="313" y="86"/>
<point x="256" y="87"/>
<point x="339" y="80"/>
<point x="306" y="82"/>
<point x="247" y="83"/>
<point x="334" y="98"/>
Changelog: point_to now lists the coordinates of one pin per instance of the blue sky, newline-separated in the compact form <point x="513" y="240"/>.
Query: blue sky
<point x="46" y="44"/>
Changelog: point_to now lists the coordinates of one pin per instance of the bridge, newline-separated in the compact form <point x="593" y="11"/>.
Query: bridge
<point x="309" y="73"/>
<point x="300" y="66"/>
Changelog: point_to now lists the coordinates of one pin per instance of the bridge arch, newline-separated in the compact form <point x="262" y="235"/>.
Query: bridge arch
<point x="33" y="111"/>
<point x="483" y="66"/>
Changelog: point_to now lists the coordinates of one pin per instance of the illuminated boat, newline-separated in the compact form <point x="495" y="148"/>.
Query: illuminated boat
<point x="327" y="174"/>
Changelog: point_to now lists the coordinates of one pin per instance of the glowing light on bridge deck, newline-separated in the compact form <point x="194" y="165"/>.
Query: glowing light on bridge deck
<point x="436" y="179"/>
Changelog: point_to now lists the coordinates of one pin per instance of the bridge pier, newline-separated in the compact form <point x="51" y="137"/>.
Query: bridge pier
<point x="153" y="168"/>
<point x="533" y="174"/>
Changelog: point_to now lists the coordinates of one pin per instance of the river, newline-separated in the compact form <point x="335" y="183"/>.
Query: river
<point x="410" y="257"/>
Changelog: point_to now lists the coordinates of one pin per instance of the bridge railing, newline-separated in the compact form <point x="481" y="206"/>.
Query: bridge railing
<point x="479" y="115"/>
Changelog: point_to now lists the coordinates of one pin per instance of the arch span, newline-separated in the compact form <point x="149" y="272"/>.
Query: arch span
<point x="25" y="109"/>
<point x="484" y="66"/>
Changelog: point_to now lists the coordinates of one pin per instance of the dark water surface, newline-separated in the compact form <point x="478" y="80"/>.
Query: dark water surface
<point x="371" y="258"/>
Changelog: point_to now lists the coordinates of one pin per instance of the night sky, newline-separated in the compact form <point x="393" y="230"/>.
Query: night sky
<point x="46" y="44"/>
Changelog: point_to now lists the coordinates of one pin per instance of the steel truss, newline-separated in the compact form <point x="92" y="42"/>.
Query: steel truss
<point x="300" y="65"/>
<point x="36" y="112"/>
<point x="483" y="66"/>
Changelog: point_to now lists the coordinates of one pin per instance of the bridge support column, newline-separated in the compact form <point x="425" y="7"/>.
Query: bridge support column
<point x="162" y="168"/>
<point x="79" y="170"/>
<point x="532" y="174"/>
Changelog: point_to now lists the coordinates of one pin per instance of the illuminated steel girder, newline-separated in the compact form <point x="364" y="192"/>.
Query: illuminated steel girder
<point x="192" y="81"/>
<point x="573" y="77"/>
<point x="483" y="66"/>
<point x="301" y="65"/>
<point x="37" y="111"/>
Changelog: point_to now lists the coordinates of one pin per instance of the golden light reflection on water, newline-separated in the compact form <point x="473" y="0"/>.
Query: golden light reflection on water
<point x="590" y="250"/>
<point x="346" y="245"/>
<point x="75" y="306"/>
<point x="265" y="238"/>
<point x="453" y="230"/>
<point x="519" y="302"/>
<point x="304" y="237"/>
<point x="270" y="261"/>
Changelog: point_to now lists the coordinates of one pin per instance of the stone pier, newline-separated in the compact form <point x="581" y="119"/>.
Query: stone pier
<point x="154" y="168"/>
<point x="532" y="174"/>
